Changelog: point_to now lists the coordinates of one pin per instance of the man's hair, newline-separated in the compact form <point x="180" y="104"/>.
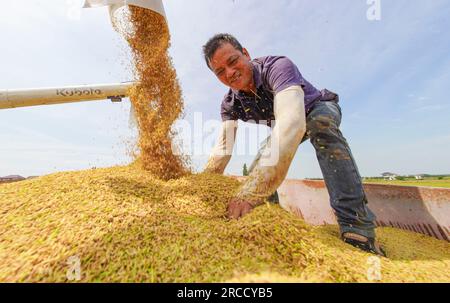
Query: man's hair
<point x="217" y="41"/>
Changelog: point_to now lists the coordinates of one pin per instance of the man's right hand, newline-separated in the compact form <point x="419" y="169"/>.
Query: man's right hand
<point x="238" y="208"/>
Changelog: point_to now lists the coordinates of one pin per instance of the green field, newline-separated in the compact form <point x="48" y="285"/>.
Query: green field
<point x="430" y="182"/>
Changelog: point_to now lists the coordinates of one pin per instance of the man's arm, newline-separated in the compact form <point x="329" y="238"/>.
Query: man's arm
<point x="221" y="153"/>
<point x="271" y="169"/>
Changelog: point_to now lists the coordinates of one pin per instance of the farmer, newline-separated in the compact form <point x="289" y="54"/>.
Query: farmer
<point x="272" y="89"/>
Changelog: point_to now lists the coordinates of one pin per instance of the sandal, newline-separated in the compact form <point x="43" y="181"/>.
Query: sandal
<point x="363" y="243"/>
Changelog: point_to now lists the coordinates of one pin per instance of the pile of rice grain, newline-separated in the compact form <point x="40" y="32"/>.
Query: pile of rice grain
<point x="126" y="225"/>
<point x="157" y="98"/>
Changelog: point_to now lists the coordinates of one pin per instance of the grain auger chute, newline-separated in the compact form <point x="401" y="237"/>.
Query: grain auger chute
<point x="12" y="98"/>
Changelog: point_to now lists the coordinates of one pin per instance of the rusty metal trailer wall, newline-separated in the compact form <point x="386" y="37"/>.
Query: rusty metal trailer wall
<point x="423" y="210"/>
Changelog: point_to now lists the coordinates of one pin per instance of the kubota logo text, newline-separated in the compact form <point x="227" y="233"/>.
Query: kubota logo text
<point x="78" y="92"/>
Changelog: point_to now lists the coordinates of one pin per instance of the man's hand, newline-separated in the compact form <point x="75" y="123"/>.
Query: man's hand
<point x="238" y="208"/>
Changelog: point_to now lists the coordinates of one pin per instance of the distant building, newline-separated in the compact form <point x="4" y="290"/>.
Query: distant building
<point x="389" y="176"/>
<point x="419" y="177"/>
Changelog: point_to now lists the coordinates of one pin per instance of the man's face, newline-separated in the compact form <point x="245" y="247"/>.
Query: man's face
<point x="233" y="68"/>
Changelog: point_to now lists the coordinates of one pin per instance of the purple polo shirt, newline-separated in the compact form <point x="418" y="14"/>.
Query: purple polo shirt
<point x="271" y="74"/>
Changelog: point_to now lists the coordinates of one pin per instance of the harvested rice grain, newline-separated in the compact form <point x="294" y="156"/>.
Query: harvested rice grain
<point x="127" y="225"/>
<point x="157" y="97"/>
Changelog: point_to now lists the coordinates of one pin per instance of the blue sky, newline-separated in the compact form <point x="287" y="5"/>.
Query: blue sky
<point x="392" y="77"/>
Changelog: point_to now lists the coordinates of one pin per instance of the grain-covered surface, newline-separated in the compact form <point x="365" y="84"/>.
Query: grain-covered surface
<point x="125" y="225"/>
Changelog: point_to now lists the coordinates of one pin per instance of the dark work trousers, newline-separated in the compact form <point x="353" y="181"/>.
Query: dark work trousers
<point x="339" y="170"/>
